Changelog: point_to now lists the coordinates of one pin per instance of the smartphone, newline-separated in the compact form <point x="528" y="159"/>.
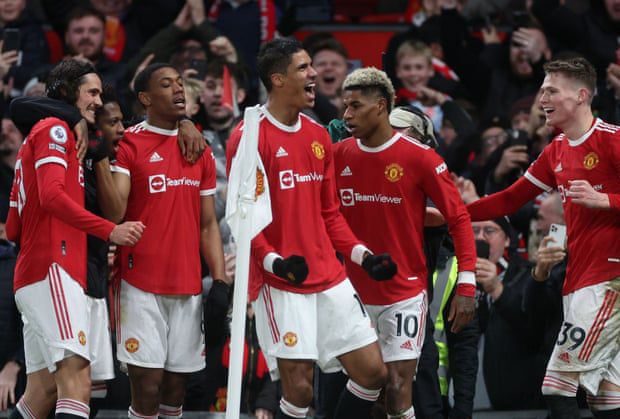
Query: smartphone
<point x="201" y="68"/>
<point x="482" y="249"/>
<point x="11" y="40"/>
<point x="558" y="234"/>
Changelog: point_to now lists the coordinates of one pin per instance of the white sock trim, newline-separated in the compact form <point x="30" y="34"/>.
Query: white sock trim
<point x="558" y="384"/>
<point x="290" y="409"/>
<point x="405" y="414"/>
<point x="604" y="400"/>
<point x="132" y="414"/>
<point x="98" y="391"/>
<point x="72" y="407"/>
<point x="170" y="412"/>
<point x="363" y="393"/>
<point x="24" y="409"/>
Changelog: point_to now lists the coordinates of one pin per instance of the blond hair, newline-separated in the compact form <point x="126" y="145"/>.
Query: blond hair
<point x="414" y="49"/>
<point x="371" y="80"/>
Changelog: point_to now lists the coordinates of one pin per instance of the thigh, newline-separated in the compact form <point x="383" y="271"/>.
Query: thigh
<point x="55" y="315"/>
<point x="286" y="325"/>
<point x="101" y="360"/>
<point x="401" y="328"/>
<point x="588" y="339"/>
<point x="141" y="333"/>
<point x="186" y="339"/>
<point x="343" y="325"/>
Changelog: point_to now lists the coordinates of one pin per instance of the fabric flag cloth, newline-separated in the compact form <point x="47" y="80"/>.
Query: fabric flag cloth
<point x="229" y="92"/>
<point x="248" y="211"/>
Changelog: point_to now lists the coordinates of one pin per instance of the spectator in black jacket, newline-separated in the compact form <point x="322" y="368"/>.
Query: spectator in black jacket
<point x="12" y="371"/>
<point x="513" y="367"/>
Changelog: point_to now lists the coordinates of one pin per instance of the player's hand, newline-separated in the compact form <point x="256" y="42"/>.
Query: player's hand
<point x="191" y="141"/>
<point x="97" y="148"/>
<point x="547" y="257"/>
<point x="433" y="217"/>
<point x="8" y="381"/>
<point x="466" y="189"/>
<point x="582" y="193"/>
<point x="513" y="157"/>
<point x="128" y="233"/>
<point x="294" y="269"/>
<point x="81" y="138"/>
<point x="261" y="413"/>
<point x="462" y="311"/>
<point x="379" y="267"/>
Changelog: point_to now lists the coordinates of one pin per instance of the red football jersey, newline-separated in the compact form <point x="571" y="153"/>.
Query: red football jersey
<point x="166" y="196"/>
<point x="383" y="193"/>
<point x="48" y="194"/>
<point x="307" y="222"/>
<point x="593" y="245"/>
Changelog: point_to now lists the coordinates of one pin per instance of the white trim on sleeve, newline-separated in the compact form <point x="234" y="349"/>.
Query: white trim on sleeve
<point x="537" y="182"/>
<point x="51" y="159"/>
<point x="13" y="204"/>
<point x="466" y="277"/>
<point x="268" y="261"/>
<point x="118" y="169"/>
<point x="357" y="254"/>
<point x="207" y="192"/>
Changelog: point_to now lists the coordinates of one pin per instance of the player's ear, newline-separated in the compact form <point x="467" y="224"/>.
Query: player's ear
<point x="277" y="79"/>
<point x="582" y="95"/>
<point x="382" y="105"/>
<point x="241" y="95"/>
<point x="144" y="99"/>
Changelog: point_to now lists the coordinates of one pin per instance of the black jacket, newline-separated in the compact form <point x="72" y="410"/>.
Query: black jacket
<point x="513" y="365"/>
<point x="12" y="347"/>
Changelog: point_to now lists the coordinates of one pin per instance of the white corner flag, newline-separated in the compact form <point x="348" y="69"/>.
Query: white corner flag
<point x="248" y="211"/>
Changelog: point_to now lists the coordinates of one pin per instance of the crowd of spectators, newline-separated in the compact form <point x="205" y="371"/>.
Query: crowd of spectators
<point x="473" y="67"/>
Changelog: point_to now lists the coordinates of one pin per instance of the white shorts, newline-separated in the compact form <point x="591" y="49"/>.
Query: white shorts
<point x="160" y="331"/>
<point x="319" y="326"/>
<point x="588" y="341"/>
<point x="101" y="360"/>
<point x="56" y="320"/>
<point x="400" y="327"/>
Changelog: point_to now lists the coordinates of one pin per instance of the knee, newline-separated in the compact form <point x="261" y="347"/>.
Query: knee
<point x="300" y="394"/>
<point x="377" y="377"/>
<point x="395" y="384"/>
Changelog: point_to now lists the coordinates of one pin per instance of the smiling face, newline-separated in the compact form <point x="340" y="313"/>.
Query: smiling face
<point x="165" y="97"/>
<point x="414" y="71"/>
<point x="11" y="9"/>
<point x="299" y="82"/>
<point x="560" y="96"/>
<point x="519" y="62"/>
<point x="89" y="97"/>
<point x="332" y="70"/>
<point x="362" y="113"/>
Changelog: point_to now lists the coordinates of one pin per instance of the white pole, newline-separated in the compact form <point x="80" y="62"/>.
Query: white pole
<point x="240" y="297"/>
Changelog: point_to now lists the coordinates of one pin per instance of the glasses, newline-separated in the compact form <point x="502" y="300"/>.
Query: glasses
<point x="497" y="139"/>
<point x="486" y="231"/>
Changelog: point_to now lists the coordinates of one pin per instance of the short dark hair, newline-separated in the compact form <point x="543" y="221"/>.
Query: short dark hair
<point x="577" y="68"/>
<point x="84" y="10"/>
<point x="65" y="79"/>
<point x="275" y="57"/>
<point x="329" y="44"/>
<point x="141" y="84"/>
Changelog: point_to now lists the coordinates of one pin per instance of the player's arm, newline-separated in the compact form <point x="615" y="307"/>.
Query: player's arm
<point x="108" y="196"/>
<point x="27" y="111"/>
<point x="54" y="199"/>
<point x="505" y="202"/>
<point x="190" y="140"/>
<point x="379" y="267"/>
<point x="210" y="240"/>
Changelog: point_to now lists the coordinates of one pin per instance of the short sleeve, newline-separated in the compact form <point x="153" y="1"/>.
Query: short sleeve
<point x="52" y="143"/>
<point x="124" y="159"/>
<point x="207" y="182"/>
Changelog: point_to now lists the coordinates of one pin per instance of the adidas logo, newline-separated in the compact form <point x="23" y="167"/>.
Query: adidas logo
<point x="281" y="152"/>
<point x="558" y="168"/>
<point x="564" y="356"/>
<point x="155" y="158"/>
<point x="346" y="172"/>
<point x="407" y="345"/>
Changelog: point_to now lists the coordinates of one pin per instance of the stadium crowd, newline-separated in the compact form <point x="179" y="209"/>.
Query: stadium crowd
<point x="418" y="209"/>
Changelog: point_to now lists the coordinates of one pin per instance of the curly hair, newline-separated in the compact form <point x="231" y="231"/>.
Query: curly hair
<point x="63" y="82"/>
<point x="371" y="80"/>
